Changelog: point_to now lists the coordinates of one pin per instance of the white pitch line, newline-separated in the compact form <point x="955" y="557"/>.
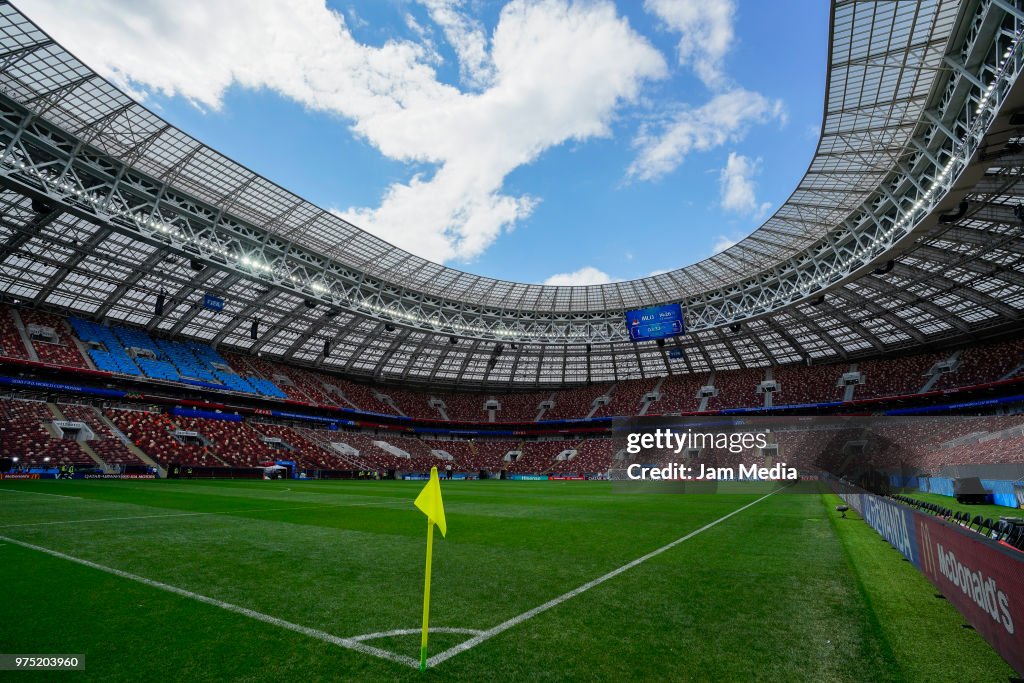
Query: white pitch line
<point x="529" y="614"/>
<point x="415" y="631"/>
<point x="347" y="643"/>
<point x="40" y="493"/>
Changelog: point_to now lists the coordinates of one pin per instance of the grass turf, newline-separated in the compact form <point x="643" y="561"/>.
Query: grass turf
<point x="780" y="591"/>
<point x="990" y="511"/>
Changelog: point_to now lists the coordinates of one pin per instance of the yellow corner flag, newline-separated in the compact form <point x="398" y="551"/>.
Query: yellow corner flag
<point x="429" y="503"/>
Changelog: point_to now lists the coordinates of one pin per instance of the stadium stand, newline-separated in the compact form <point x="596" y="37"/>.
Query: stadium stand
<point x="626" y="398"/>
<point x="361" y="396"/>
<point x="464" y="407"/>
<point x="185" y="363"/>
<point x="11" y="344"/>
<point x="234" y="443"/>
<point x="462" y="452"/>
<point x="412" y="403"/>
<point x="520" y="406"/>
<point x="107" y="445"/>
<point x="896" y="376"/>
<point x="25" y="434"/>
<point x="104" y="347"/>
<point x="679" y="395"/>
<point x="51" y="338"/>
<point x="133" y="352"/>
<point x="814" y="384"/>
<point x="576" y="403"/>
<point x="154" y="433"/>
<point x="325" y="440"/>
<point x="985" y="363"/>
<point x="737" y="389"/>
<point x="593" y="456"/>
<point x="538" y="456"/>
<point x="490" y="454"/>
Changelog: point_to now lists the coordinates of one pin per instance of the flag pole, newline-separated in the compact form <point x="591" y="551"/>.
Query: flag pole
<point x="426" y="594"/>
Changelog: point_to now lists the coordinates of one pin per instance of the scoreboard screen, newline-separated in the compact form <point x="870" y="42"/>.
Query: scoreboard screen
<point x="655" y="323"/>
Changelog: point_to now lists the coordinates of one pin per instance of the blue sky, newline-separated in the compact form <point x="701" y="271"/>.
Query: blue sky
<point x="532" y="140"/>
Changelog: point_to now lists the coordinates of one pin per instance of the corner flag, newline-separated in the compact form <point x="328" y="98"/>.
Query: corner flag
<point x="429" y="503"/>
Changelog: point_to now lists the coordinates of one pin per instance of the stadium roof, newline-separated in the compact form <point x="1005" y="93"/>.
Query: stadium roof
<point x="104" y="204"/>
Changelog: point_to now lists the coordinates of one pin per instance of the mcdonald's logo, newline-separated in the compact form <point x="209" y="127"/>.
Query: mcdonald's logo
<point x="927" y="551"/>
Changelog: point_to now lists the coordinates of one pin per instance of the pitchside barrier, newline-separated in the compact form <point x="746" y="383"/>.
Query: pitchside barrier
<point x="1003" y="492"/>
<point x="983" y="579"/>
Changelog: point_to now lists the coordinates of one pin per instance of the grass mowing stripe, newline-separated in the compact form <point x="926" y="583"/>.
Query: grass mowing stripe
<point x="195" y="514"/>
<point x="529" y="614"/>
<point x="347" y="643"/>
<point x="38" y="493"/>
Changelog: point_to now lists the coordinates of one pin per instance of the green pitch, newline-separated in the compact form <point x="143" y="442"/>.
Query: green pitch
<point x="991" y="511"/>
<point x="318" y="580"/>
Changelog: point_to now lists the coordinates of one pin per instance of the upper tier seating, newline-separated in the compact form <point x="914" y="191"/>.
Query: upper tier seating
<point x="896" y="376"/>
<point x="165" y="359"/>
<point x="520" y="406"/>
<point x="627" y="397"/>
<point x="986" y="363"/>
<point x="361" y="396"/>
<point x="11" y="344"/>
<point x="105" y="348"/>
<point x="185" y="362"/>
<point x="467" y="407"/>
<point x="679" y="395"/>
<point x="737" y="389"/>
<point x="803" y="384"/>
<point x="412" y="403"/>
<point x="60" y="350"/>
<point x="191" y="362"/>
<point x="576" y="403"/>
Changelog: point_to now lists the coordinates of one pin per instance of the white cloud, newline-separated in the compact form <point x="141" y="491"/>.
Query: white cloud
<point x="706" y="33"/>
<point x="354" y="19"/>
<point x="588" y="275"/>
<point x="467" y="37"/>
<point x="738" y="189"/>
<point x="725" y="118"/>
<point x="556" y="71"/>
<point x="722" y="243"/>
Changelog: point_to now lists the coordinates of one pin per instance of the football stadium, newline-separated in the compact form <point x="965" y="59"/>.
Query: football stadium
<point x="244" y="438"/>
